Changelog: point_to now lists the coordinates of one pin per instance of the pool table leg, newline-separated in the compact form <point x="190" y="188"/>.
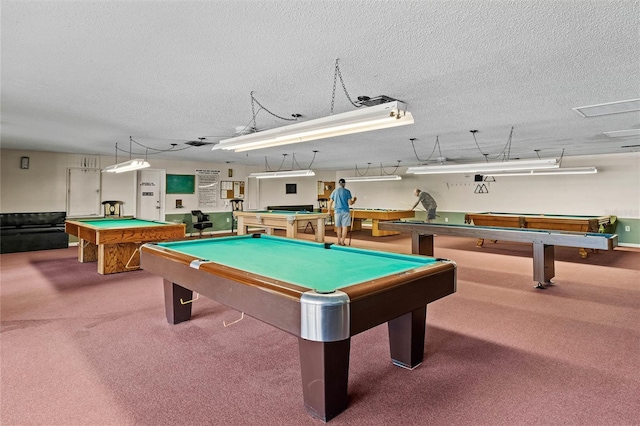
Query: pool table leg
<point x="421" y="244"/>
<point x="175" y="307"/>
<point x="406" y="338"/>
<point x="543" y="264"/>
<point x="325" y="373"/>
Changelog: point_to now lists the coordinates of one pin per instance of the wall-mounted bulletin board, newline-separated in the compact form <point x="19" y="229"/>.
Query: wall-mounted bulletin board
<point x="181" y="184"/>
<point x="231" y="189"/>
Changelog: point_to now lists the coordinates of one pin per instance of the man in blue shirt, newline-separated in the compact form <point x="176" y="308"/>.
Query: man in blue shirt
<point x="341" y="198"/>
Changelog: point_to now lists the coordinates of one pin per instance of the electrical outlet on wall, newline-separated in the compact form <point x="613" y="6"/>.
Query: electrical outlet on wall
<point x="627" y="228"/>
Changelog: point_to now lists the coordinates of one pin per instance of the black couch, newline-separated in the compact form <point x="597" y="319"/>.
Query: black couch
<point x="32" y="231"/>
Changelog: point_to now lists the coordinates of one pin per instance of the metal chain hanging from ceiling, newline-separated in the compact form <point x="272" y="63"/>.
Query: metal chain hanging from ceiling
<point x="337" y="74"/>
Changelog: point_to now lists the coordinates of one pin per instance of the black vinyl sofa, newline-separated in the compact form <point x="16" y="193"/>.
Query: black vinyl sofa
<point x="32" y="231"/>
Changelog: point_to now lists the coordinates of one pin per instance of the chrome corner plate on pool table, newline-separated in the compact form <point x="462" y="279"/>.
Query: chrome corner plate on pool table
<point x="324" y="294"/>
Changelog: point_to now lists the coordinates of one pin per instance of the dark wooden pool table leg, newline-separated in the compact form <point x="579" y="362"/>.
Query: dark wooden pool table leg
<point x="421" y="244"/>
<point x="406" y="338"/>
<point x="325" y="374"/>
<point x="174" y="297"/>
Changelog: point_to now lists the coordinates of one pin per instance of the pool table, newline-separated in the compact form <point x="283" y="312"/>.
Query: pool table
<point x="114" y="242"/>
<point x="377" y="216"/>
<point x="290" y="221"/>
<point x="321" y="293"/>
<point x="549" y="222"/>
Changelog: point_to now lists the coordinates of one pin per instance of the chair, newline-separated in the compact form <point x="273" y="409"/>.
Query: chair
<point x="200" y="221"/>
<point x="112" y="208"/>
<point x="236" y="206"/>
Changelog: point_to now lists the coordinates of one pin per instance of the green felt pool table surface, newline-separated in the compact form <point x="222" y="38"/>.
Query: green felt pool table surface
<point x="299" y="262"/>
<point x="121" y="223"/>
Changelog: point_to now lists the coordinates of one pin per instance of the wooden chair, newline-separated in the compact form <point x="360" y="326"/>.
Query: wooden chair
<point x="236" y="206"/>
<point x="113" y="208"/>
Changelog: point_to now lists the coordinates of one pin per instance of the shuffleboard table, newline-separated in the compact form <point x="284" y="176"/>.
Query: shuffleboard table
<point x="543" y="241"/>
<point x="321" y="293"/>
<point x="551" y="222"/>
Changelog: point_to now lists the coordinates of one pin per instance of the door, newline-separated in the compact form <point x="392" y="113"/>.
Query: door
<point x="83" y="192"/>
<point x="150" y="195"/>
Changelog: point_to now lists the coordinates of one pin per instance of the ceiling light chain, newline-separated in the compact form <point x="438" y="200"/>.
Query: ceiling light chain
<point x="147" y="148"/>
<point x="310" y="164"/>
<point x="254" y="113"/>
<point x="437" y="145"/>
<point x="266" y="163"/>
<point x="337" y="74"/>
<point x="358" y="173"/>
<point x="507" y="147"/>
<point x="294" y="162"/>
<point x="383" y="172"/>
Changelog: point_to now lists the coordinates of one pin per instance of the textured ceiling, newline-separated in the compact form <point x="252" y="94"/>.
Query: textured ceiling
<point x="81" y="76"/>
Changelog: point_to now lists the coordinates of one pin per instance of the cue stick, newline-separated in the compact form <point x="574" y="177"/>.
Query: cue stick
<point x="351" y="227"/>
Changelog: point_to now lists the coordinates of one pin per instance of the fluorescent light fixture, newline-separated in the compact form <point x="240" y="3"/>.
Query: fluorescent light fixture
<point x="390" y="114"/>
<point x="608" y="108"/>
<point x="126" y="166"/>
<point x="622" y="133"/>
<point x="283" y="174"/>
<point x="504" y="166"/>
<point x="372" y="178"/>
<point x="560" y="171"/>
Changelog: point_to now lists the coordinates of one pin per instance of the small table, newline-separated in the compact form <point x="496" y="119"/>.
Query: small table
<point x="549" y="222"/>
<point x="281" y="219"/>
<point x="321" y="293"/>
<point x="114" y="243"/>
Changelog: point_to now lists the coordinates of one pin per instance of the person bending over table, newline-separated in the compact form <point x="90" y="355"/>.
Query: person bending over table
<point x="428" y="203"/>
<point x="341" y="199"/>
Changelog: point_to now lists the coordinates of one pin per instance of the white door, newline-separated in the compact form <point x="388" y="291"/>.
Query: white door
<point x="149" y="205"/>
<point x="83" y="192"/>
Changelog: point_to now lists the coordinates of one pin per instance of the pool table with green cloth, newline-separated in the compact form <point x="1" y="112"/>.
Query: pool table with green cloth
<point x="321" y="293"/>
<point x="114" y="242"/>
<point x="551" y="222"/>
<point x="376" y="216"/>
<point x="281" y="219"/>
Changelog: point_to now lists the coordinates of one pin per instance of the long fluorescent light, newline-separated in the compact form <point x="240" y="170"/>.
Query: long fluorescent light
<point x="560" y="171"/>
<point x="390" y="114"/>
<point x="608" y="108"/>
<point x="126" y="166"/>
<point x="622" y="133"/>
<point x="505" y="166"/>
<point x="283" y="174"/>
<point x="372" y="178"/>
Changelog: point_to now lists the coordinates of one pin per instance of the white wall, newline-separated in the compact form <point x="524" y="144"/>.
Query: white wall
<point x="43" y="187"/>
<point x="615" y="189"/>
<point x="272" y="191"/>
